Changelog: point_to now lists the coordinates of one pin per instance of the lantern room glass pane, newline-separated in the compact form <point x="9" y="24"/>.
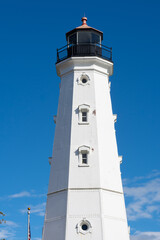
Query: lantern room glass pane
<point x="88" y="37"/>
<point x="73" y="39"/>
<point x="95" y="38"/>
<point x="84" y="37"/>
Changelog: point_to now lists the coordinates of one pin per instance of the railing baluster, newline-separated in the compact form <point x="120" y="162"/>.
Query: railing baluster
<point x="57" y="55"/>
<point x="111" y="53"/>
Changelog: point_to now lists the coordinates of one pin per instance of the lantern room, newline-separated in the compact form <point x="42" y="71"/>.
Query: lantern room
<point x="84" y="41"/>
<point x="84" y="34"/>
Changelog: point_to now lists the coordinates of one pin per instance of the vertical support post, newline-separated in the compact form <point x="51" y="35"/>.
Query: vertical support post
<point x="111" y="53"/>
<point x="28" y="227"/>
<point x="57" y="56"/>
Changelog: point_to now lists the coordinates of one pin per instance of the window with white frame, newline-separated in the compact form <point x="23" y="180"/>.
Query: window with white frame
<point x="84" y="156"/>
<point x="84" y="114"/>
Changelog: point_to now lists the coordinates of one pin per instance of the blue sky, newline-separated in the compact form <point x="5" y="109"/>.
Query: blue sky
<point x="31" y="31"/>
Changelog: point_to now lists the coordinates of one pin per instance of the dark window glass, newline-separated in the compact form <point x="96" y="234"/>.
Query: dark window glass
<point x="84" y="158"/>
<point x="84" y="80"/>
<point x="84" y="116"/>
<point x="72" y="39"/>
<point x="84" y="37"/>
<point x="88" y="37"/>
<point x="84" y="227"/>
<point x="95" y="38"/>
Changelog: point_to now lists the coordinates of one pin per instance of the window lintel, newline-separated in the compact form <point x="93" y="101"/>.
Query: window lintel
<point x="84" y="149"/>
<point x="84" y="107"/>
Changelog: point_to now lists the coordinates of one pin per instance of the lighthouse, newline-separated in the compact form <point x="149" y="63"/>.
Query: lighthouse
<point x="85" y="199"/>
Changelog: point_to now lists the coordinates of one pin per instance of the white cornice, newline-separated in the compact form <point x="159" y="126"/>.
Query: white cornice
<point x="83" y="64"/>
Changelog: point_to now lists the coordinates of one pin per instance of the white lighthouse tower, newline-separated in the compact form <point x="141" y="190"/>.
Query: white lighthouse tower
<point x="85" y="198"/>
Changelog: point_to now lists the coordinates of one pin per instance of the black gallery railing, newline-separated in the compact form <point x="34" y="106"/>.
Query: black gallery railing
<point x="84" y="49"/>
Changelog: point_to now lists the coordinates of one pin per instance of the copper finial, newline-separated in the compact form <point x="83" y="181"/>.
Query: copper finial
<point x="84" y="20"/>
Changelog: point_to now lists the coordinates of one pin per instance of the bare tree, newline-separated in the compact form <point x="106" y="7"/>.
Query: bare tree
<point x="2" y="220"/>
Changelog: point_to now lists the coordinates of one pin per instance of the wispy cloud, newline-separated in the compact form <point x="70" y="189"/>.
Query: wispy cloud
<point x="144" y="197"/>
<point x="25" y="194"/>
<point x="8" y="230"/>
<point x="20" y="194"/>
<point x="153" y="174"/>
<point x="146" y="236"/>
<point x="11" y="224"/>
<point x="6" y="234"/>
<point x="38" y="209"/>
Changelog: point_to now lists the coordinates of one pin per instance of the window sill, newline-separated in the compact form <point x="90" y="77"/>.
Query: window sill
<point x="83" y="123"/>
<point x="83" y="165"/>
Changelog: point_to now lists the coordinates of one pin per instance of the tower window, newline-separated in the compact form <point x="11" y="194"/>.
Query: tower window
<point x="84" y="116"/>
<point x="84" y="158"/>
<point x="84" y="227"/>
<point x="83" y="79"/>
